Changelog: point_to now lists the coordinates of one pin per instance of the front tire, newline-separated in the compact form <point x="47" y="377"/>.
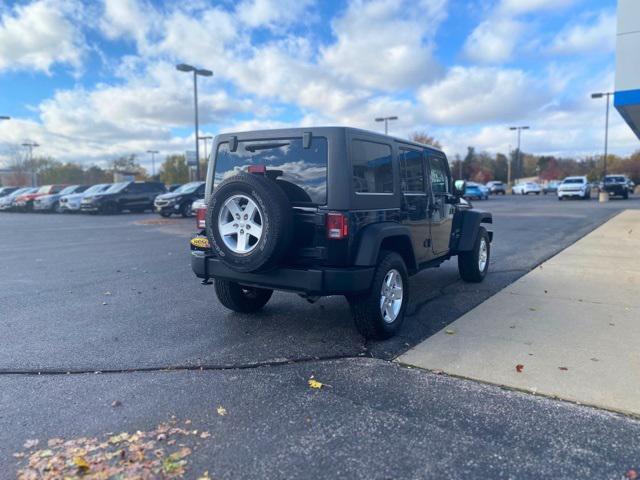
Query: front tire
<point x="239" y="298"/>
<point x="379" y="313"/>
<point x="473" y="265"/>
<point x="185" y="209"/>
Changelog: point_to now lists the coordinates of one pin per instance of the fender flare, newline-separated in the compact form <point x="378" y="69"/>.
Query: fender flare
<point x="371" y="237"/>
<point x="465" y="229"/>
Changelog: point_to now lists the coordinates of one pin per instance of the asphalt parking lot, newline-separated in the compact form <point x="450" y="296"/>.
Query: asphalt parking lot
<point x="115" y="294"/>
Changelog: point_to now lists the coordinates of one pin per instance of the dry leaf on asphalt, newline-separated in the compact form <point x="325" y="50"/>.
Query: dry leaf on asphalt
<point x="449" y="331"/>
<point x="205" y="435"/>
<point x="313" y="383"/>
<point x="31" y="443"/>
<point x="81" y="463"/>
<point x="564" y="369"/>
<point x="221" y="411"/>
<point x="519" y="368"/>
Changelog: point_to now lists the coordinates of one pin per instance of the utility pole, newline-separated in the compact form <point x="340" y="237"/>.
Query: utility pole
<point x="606" y="95"/>
<point x="509" y="167"/>
<point x="519" y="129"/>
<point x="386" y="122"/>
<point x="153" y="162"/>
<point x="30" y="146"/>
<point x="183" y="67"/>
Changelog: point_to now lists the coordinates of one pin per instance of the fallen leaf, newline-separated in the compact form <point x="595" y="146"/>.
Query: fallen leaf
<point x="449" y="331"/>
<point x="313" y="383"/>
<point x="205" y="476"/>
<point x="31" y="443"/>
<point x="104" y="303"/>
<point x="594" y="359"/>
<point x="81" y="463"/>
<point x="519" y="368"/>
<point x="107" y="293"/>
<point x="221" y="411"/>
<point x="162" y="437"/>
<point x="54" y="442"/>
<point x="187" y="422"/>
<point x="205" y="435"/>
<point x="564" y="369"/>
<point x="116" y="403"/>
<point x="631" y="474"/>
<point x="532" y="309"/>
<point x="19" y="455"/>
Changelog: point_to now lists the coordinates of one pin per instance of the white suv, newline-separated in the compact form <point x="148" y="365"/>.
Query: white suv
<point x="574" y="187"/>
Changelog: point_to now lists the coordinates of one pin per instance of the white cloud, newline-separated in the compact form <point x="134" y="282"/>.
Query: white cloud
<point x="40" y="34"/>
<point x="597" y="37"/>
<point x="493" y="40"/>
<point x="128" y="18"/>
<point x="475" y="95"/>
<point x="273" y="13"/>
<point x="385" y="44"/>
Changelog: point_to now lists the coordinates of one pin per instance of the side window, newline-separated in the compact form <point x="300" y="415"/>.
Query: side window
<point x="411" y="174"/>
<point x="439" y="184"/>
<point x="372" y="167"/>
<point x="136" y="188"/>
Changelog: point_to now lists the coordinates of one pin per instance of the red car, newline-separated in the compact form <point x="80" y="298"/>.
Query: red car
<point x="24" y="203"/>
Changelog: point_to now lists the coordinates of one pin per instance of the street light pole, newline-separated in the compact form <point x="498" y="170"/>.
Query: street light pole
<point x="30" y="146"/>
<point x="206" y="138"/>
<point x="153" y="161"/>
<point x="606" y="127"/>
<point x="386" y="122"/>
<point x="519" y="129"/>
<point x="183" y="67"/>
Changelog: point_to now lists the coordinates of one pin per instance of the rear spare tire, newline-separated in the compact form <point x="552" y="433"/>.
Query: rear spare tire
<point x="249" y="223"/>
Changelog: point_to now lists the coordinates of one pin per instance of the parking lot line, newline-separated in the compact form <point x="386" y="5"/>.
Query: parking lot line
<point x="568" y="329"/>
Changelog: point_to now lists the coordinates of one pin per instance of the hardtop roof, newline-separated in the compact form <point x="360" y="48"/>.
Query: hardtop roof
<point x="298" y="131"/>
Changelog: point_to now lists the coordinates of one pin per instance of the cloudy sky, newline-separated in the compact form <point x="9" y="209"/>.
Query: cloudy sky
<point x="93" y="80"/>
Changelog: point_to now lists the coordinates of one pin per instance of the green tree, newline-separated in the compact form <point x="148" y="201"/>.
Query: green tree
<point x="174" y="169"/>
<point x="128" y="163"/>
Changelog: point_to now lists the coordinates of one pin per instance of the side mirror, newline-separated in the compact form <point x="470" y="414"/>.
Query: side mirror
<point x="459" y="186"/>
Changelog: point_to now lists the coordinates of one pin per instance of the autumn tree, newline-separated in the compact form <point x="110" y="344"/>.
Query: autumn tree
<point x="174" y="169"/>
<point x="424" y="138"/>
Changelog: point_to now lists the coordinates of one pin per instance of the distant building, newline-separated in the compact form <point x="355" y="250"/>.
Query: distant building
<point x="627" y="94"/>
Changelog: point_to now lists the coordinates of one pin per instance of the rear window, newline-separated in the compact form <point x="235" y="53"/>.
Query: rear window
<point x="303" y="170"/>
<point x="573" y="180"/>
<point x="614" y="179"/>
<point x="372" y="169"/>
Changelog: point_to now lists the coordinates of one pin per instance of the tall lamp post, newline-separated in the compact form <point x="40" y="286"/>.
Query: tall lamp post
<point x="183" y="67"/>
<point x="30" y="146"/>
<point x="153" y="161"/>
<point x="606" y="127"/>
<point x="519" y="130"/>
<point x="206" y="138"/>
<point x="386" y="122"/>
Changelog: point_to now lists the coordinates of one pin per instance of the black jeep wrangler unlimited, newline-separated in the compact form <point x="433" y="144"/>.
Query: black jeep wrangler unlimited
<point x="333" y="211"/>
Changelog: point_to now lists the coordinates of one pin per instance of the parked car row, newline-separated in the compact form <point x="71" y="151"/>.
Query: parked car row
<point x="105" y="198"/>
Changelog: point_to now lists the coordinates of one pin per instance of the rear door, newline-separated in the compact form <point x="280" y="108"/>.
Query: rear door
<point x="440" y="212"/>
<point x="415" y="202"/>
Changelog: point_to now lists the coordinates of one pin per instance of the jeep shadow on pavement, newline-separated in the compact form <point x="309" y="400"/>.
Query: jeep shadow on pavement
<point x="333" y="211"/>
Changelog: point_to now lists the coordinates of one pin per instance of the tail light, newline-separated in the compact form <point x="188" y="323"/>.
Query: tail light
<point x="261" y="169"/>
<point x="337" y="226"/>
<point x="201" y="215"/>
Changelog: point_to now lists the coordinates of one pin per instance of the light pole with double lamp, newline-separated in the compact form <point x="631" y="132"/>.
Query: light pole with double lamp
<point x="153" y="161"/>
<point x="183" y="67"/>
<point x="518" y="166"/>
<point x="386" y="122"/>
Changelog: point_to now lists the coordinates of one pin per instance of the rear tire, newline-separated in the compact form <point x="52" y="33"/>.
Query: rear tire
<point x="474" y="264"/>
<point x="239" y="298"/>
<point x="165" y="214"/>
<point x="109" y="209"/>
<point x="389" y="280"/>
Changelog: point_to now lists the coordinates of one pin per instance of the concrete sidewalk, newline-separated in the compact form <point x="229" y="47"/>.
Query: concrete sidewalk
<point x="571" y="326"/>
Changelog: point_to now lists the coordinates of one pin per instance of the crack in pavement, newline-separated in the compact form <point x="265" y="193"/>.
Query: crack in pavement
<point x="176" y="368"/>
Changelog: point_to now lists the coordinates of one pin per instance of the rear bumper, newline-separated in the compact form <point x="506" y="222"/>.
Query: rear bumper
<point x="315" y="281"/>
<point x="616" y="189"/>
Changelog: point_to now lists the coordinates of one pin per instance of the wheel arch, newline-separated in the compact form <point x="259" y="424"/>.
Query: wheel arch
<point x="466" y="224"/>
<point x="385" y="236"/>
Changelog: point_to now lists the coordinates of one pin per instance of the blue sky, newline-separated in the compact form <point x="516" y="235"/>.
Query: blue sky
<point x="90" y="81"/>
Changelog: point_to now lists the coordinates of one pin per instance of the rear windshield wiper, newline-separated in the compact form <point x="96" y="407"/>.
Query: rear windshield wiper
<point x="264" y="146"/>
